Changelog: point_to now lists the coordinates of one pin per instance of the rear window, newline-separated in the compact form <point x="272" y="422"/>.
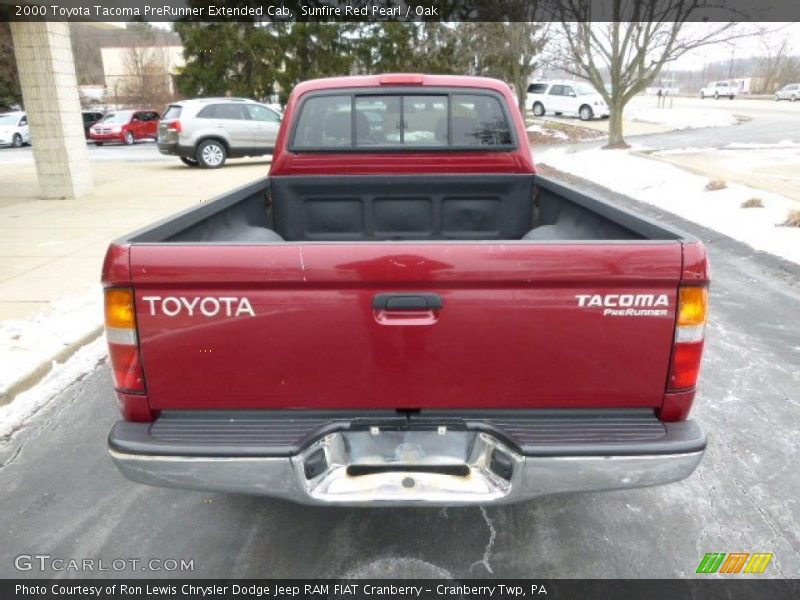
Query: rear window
<point x="537" y="88"/>
<point x="229" y="111"/>
<point x="173" y="112"/>
<point x="392" y="121"/>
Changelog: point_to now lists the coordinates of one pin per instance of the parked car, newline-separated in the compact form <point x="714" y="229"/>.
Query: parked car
<point x="719" y="89"/>
<point x="790" y="92"/>
<point x="90" y="118"/>
<point x="126" y="126"/>
<point x="14" y="130"/>
<point x="208" y="131"/>
<point x="405" y="314"/>
<point x="567" y="98"/>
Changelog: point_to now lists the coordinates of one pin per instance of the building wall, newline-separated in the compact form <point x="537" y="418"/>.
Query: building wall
<point x="120" y="73"/>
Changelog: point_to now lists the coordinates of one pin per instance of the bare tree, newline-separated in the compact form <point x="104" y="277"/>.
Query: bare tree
<point x="631" y="49"/>
<point x="147" y="77"/>
<point x="777" y="68"/>
<point x="508" y="51"/>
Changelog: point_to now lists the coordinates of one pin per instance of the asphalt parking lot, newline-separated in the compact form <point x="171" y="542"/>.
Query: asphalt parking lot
<point x="63" y="497"/>
<point x="140" y="152"/>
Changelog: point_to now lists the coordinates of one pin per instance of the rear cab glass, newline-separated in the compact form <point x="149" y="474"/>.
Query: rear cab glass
<point x="374" y="120"/>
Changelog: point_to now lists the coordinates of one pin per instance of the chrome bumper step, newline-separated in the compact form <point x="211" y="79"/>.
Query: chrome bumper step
<point x="376" y="459"/>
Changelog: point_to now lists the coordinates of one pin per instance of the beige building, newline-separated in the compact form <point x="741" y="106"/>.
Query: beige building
<point x="130" y="71"/>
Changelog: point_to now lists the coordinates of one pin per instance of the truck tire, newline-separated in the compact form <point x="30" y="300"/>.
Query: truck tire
<point x="211" y="154"/>
<point x="16" y="141"/>
<point x="189" y="162"/>
<point x="585" y="113"/>
<point x="538" y="109"/>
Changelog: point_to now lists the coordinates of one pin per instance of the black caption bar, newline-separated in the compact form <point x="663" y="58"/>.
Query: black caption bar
<point x="397" y="10"/>
<point x="424" y="589"/>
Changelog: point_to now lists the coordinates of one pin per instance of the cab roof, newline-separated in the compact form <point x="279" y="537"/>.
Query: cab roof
<point x="411" y="80"/>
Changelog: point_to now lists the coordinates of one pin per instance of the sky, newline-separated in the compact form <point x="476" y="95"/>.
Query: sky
<point x="768" y="37"/>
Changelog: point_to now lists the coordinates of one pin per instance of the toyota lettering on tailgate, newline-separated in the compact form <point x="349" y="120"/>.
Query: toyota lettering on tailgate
<point x="207" y="306"/>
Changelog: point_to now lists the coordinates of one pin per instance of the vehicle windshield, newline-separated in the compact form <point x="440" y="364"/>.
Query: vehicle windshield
<point x="118" y="117"/>
<point x="584" y="90"/>
<point x="11" y="119"/>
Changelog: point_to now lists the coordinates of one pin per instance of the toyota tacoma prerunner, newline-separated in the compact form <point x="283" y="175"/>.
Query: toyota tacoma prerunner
<point x="405" y="312"/>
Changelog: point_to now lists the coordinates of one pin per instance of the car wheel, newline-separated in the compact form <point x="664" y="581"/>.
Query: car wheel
<point x="702" y="96"/>
<point x="16" y="141"/>
<point x="585" y="113"/>
<point x="538" y="109"/>
<point x="129" y="139"/>
<point x="793" y="98"/>
<point x="733" y="96"/>
<point x="211" y="154"/>
<point x="189" y="162"/>
<point x="98" y="143"/>
<point x="716" y="95"/>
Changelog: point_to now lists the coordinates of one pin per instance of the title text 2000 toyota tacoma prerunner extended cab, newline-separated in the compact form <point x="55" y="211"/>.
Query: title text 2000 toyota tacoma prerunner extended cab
<point x="405" y="312"/>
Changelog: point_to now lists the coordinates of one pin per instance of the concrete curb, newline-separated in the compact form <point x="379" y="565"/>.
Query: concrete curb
<point x="33" y="377"/>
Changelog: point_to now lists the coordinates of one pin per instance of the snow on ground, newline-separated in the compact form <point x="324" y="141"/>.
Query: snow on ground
<point x="560" y="135"/>
<point x="680" y="117"/>
<point x="26" y="344"/>
<point x="675" y="190"/>
<point x="16" y="415"/>
<point x="781" y="146"/>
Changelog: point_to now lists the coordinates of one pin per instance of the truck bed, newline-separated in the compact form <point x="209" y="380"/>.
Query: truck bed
<point x="409" y="208"/>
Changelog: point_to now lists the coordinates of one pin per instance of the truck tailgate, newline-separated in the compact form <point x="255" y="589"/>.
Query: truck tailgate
<point x="406" y="325"/>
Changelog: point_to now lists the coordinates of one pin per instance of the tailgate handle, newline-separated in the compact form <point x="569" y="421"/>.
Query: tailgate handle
<point x="407" y="301"/>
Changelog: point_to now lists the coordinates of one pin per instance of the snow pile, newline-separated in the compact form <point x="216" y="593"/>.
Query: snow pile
<point x="680" y="117"/>
<point x="16" y="415"/>
<point x="782" y="148"/>
<point x="683" y="193"/>
<point x="560" y="135"/>
<point x="26" y="344"/>
<point x="789" y="144"/>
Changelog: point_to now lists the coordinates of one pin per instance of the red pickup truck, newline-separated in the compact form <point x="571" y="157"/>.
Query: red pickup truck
<point x="405" y="312"/>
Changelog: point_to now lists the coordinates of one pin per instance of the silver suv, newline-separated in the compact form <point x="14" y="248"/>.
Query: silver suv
<point x="208" y="131"/>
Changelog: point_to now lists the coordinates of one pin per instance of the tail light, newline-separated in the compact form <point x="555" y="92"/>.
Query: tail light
<point x="123" y="343"/>
<point x="689" y="336"/>
<point x="174" y="126"/>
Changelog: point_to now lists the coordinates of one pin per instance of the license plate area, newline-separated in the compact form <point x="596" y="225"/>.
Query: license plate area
<point x="436" y="465"/>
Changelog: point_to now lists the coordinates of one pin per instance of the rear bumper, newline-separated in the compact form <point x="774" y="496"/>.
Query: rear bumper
<point x="175" y="149"/>
<point x="437" y="460"/>
<point x="107" y="137"/>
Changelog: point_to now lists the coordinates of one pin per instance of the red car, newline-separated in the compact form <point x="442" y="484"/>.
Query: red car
<point x="405" y="312"/>
<point x="126" y="126"/>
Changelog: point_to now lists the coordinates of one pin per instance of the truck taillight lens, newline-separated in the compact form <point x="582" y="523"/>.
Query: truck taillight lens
<point x="689" y="336"/>
<point x="123" y="343"/>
